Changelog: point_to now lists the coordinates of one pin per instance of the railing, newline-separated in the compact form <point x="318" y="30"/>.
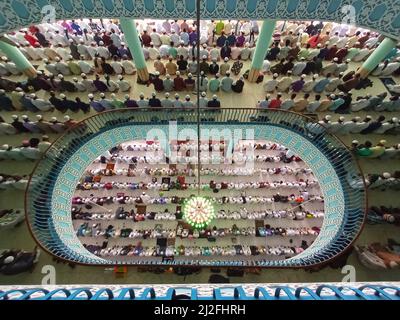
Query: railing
<point x="295" y="291"/>
<point x="48" y="197"/>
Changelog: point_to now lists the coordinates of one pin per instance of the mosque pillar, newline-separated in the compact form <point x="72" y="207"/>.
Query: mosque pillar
<point x="128" y="26"/>
<point x="377" y="56"/>
<point x="15" y="55"/>
<point x="263" y="43"/>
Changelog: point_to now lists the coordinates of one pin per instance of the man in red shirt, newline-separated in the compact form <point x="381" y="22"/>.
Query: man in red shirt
<point x="31" y="39"/>
<point x="275" y="103"/>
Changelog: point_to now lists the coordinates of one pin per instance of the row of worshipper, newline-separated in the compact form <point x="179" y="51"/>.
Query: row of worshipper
<point x="162" y="200"/>
<point x="342" y="103"/>
<point x="184" y="66"/>
<point x="225" y="84"/>
<point x="383" y="181"/>
<point x="89" y="212"/>
<point x="177" y="185"/>
<point x="357" y="125"/>
<point x="40" y="125"/>
<point x="388" y="214"/>
<point x="32" y="149"/>
<point x="170" y="251"/>
<point x="12" y="182"/>
<point x="378" y="151"/>
<point x="20" y="101"/>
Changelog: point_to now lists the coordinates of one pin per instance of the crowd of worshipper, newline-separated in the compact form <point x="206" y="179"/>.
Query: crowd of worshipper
<point x="170" y="251"/>
<point x="11" y="217"/>
<point x="377" y="151"/>
<point x="32" y="149"/>
<point x="300" y="49"/>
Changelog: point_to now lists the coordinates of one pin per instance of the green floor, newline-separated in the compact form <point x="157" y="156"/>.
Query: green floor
<point x="20" y="236"/>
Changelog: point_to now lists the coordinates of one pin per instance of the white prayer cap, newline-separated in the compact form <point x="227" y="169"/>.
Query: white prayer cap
<point x="157" y="73"/>
<point x="57" y="59"/>
<point x="228" y="73"/>
<point x="14" y="116"/>
<point x="182" y="42"/>
<point x="302" y="58"/>
<point x="122" y="43"/>
<point x="151" y="43"/>
<point x="75" y="79"/>
<point x="60" y="76"/>
<point x="112" y="95"/>
<point x="187" y="97"/>
<point x="355" y="142"/>
<point x="275" y="75"/>
<point x="303" y="76"/>
<point x="215" y="96"/>
<point x="315" y="76"/>
<point x="18" y="89"/>
<point x="83" y="74"/>
<point x="120" y="76"/>
<point x="24" y="117"/>
<point x="141" y="95"/>
<point x="101" y="43"/>
<point x="5" y="146"/>
<point x="70" y="57"/>
<point x="341" y="93"/>
<point x="33" y="95"/>
<point x="176" y="95"/>
<point x="67" y="118"/>
<point x="190" y="75"/>
<point x="369" y="117"/>
<point x="335" y="59"/>
<point x="167" y="94"/>
<point x="357" y="118"/>
<point x="395" y="119"/>
<point x="153" y="94"/>
<point x="2" y="91"/>
<point x="218" y="75"/>
<point x="4" y="58"/>
<point x="167" y="76"/>
<point x="62" y="96"/>
<point x="386" y="175"/>
<point x="53" y="119"/>
<point x="90" y="96"/>
<point x="203" y="94"/>
<point x="102" y="95"/>
<point x="178" y="73"/>
<point x="70" y="40"/>
<point x="348" y="60"/>
<point x="204" y="45"/>
<point x="8" y="260"/>
<point x="127" y="96"/>
<point x="246" y="44"/>
<point x="328" y="117"/>
<point x="319" y="45"/>
<point x="45" y="60"/>
<point x="342" y="118"/>
<point x="226" y="59"/>
<point x="39" y="117"/>
<point x="204" y="57"/>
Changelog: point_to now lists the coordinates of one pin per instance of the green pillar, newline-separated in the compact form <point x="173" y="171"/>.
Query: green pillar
<point x="15" y="55"/>
<point x="263" y="43"/>
<point x="377" y="56"/>
<point x="128" y="26"/>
